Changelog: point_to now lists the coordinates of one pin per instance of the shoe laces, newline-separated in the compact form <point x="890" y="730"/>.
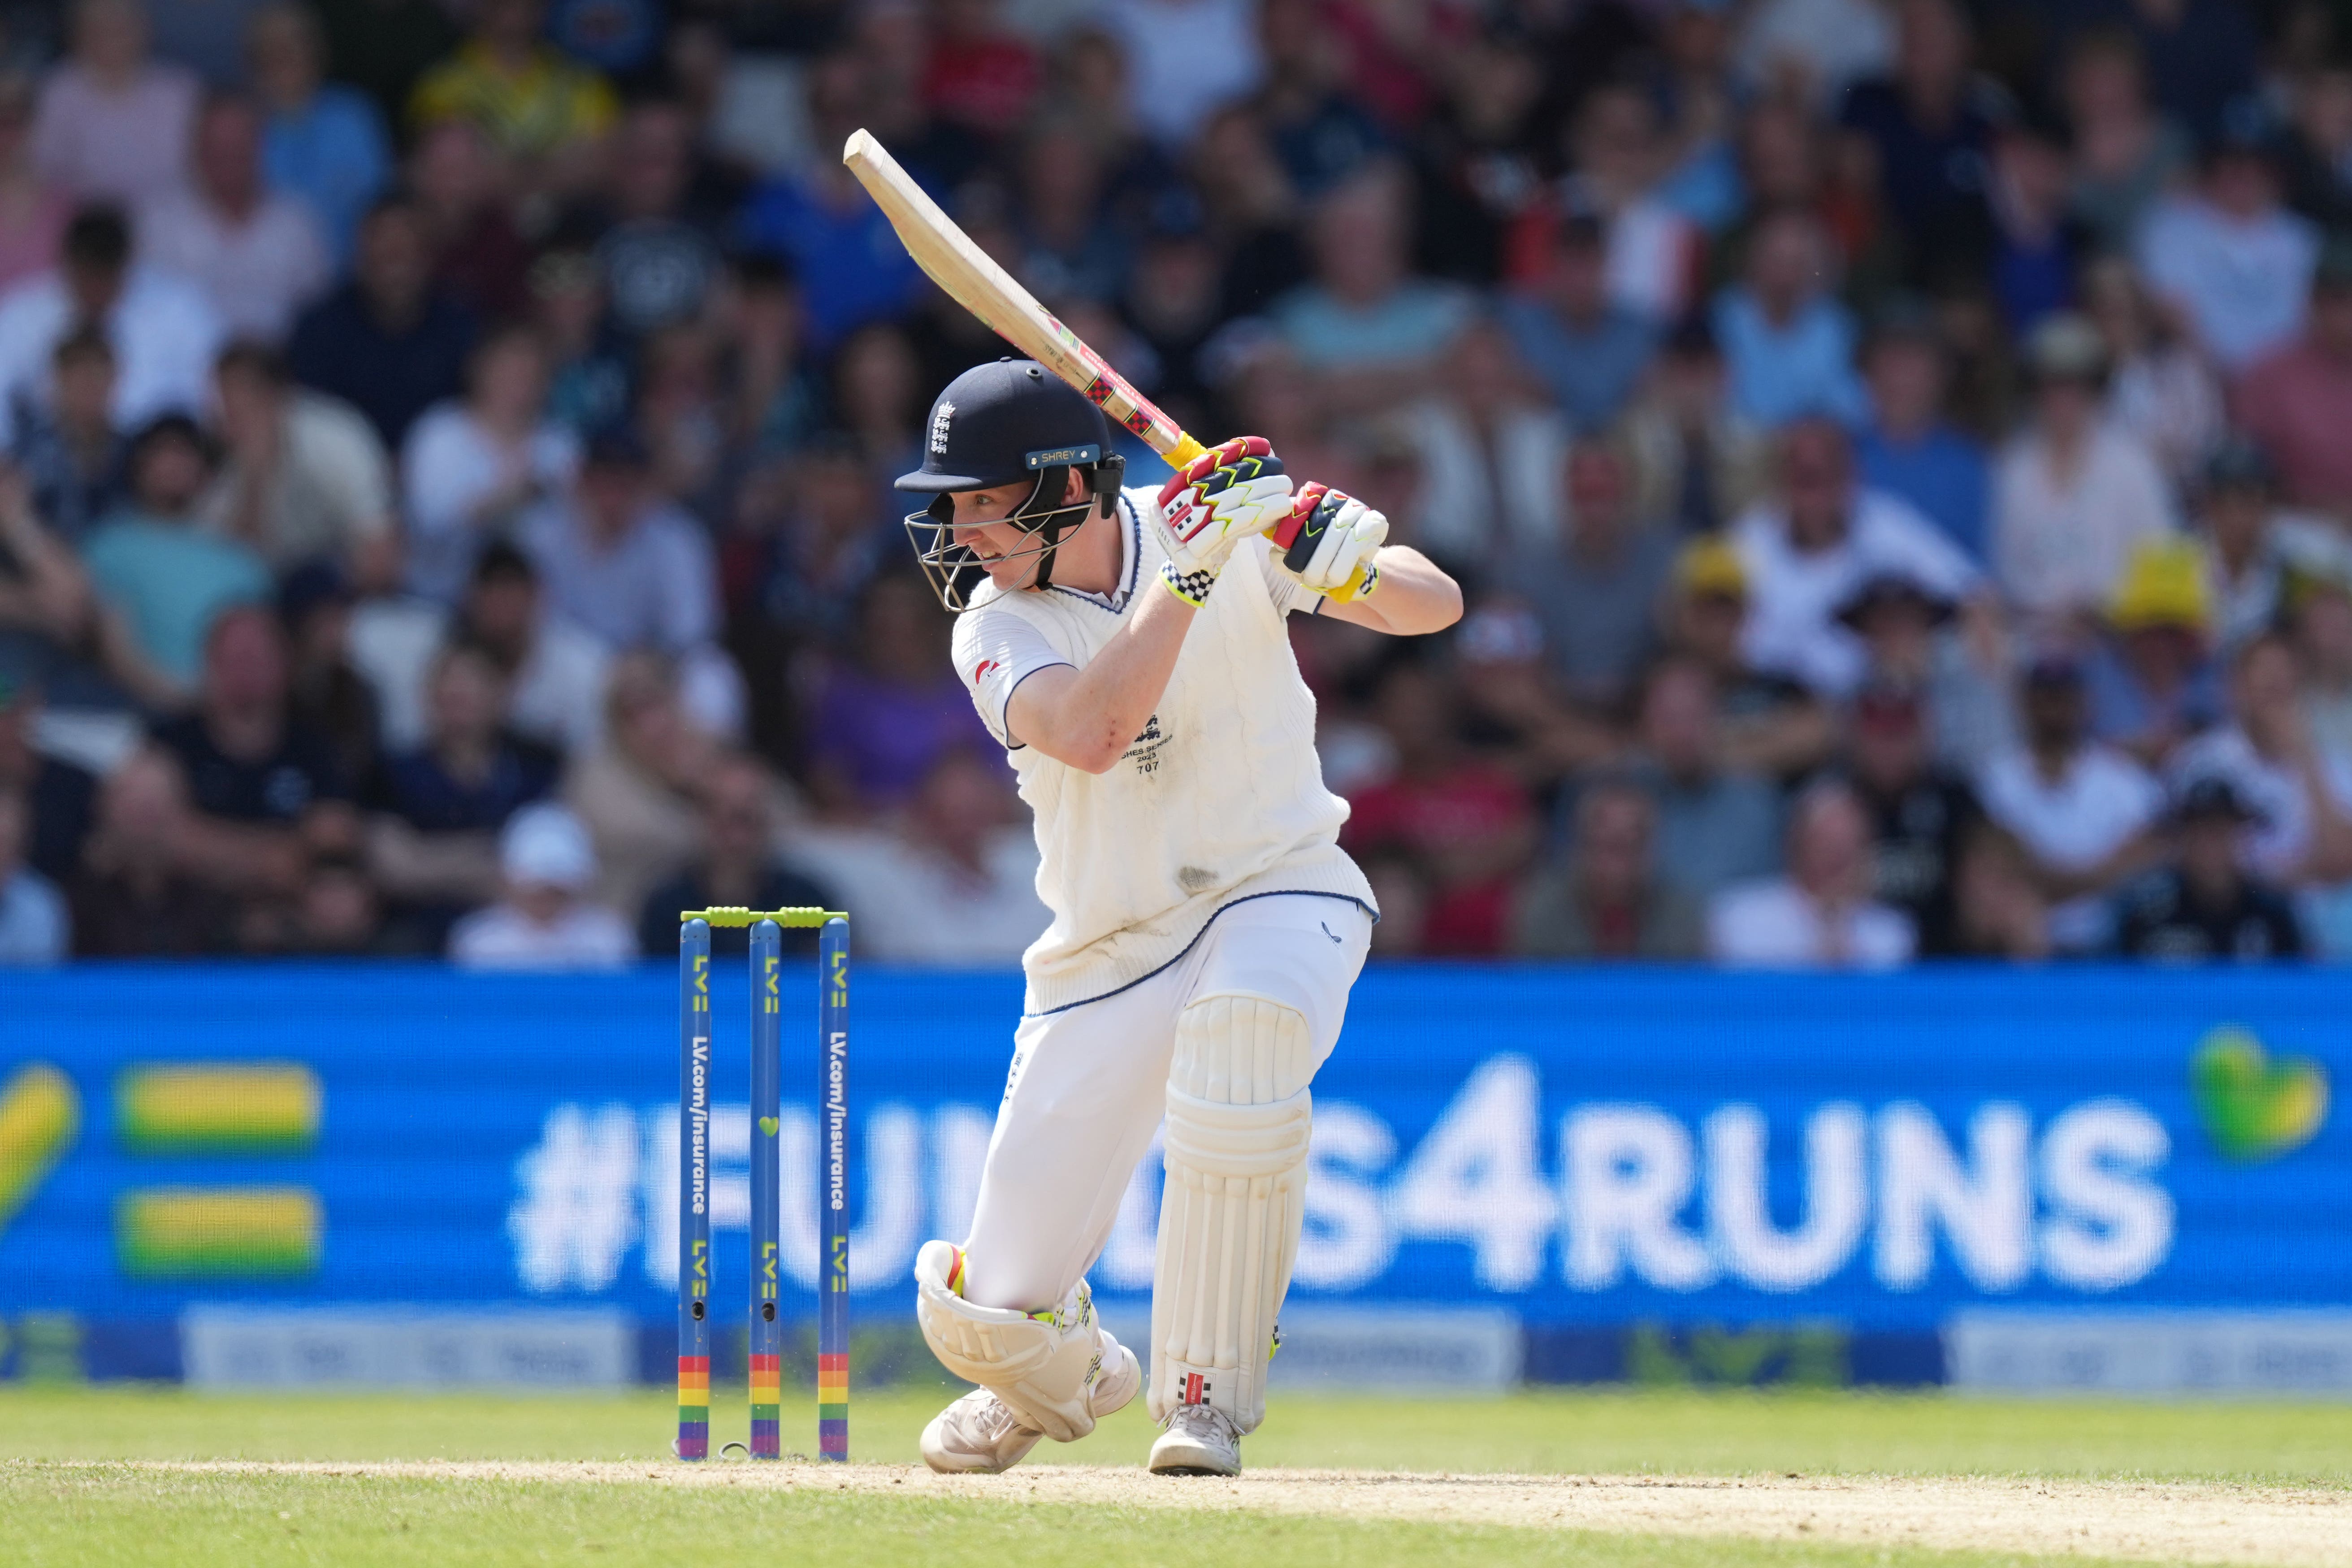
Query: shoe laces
<point x="995" y="1418"/>
<point x="1206" y="1422"/>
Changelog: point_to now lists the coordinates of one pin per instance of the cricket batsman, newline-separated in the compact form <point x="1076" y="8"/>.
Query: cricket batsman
<point x="1128" y="650"/>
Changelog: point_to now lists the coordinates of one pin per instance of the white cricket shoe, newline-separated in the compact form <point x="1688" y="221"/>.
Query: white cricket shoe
<point x="979" y="1434"/>
<point x="1200" y="1440"/>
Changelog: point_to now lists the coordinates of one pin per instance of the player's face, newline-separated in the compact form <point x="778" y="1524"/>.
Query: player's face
<point x="1009" y="554"/>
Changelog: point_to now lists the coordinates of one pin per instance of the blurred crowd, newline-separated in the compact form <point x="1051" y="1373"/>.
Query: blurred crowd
<point x="1898" y="454"/>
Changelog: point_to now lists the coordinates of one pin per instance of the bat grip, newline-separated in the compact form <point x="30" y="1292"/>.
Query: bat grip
<point x="1349" y="589"/>
<point x="1185" y="450"/>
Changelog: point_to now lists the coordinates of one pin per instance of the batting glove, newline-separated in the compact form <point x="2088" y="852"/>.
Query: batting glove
<point x="1220" y="499"/>
<point x="1327" y="538"/>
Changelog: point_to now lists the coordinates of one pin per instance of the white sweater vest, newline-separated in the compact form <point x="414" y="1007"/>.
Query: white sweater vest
<point x="1220" y="799"/>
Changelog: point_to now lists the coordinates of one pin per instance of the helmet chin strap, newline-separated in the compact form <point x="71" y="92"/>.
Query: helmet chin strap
<point x="1051" y="526"/>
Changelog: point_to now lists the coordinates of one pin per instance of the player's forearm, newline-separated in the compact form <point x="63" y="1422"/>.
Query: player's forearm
<point x="1413" y="599"/>
<point x="1089" y="718"/>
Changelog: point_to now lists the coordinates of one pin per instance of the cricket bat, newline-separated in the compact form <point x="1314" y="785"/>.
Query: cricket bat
<point x="972" y="280"/>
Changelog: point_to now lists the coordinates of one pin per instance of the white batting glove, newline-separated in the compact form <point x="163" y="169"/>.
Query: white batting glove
<point x="1220" y="499"/>
<point x="1328" y="539"/>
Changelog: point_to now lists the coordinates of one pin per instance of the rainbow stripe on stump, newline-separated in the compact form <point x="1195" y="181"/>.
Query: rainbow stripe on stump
<point x="767" y="1399"/>
<point x="832" y="1406"/>
<point x="694" y="1408"/>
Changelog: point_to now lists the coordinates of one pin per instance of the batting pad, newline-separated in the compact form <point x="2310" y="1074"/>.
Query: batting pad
<point x="1043" y="1365"/>
<point x="1238" y="1119"/>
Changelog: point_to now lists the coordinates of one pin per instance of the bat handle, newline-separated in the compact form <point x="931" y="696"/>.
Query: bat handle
<point x="1350" y="588"/>
<point x="1184" y="451"/>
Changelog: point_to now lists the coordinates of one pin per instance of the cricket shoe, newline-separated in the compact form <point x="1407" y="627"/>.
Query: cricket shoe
<point x="1200" y="1440"/>
<point x="981" y="1435"/>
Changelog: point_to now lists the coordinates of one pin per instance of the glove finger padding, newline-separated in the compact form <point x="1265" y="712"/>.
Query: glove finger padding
<point x="1219" y="499"/>
<point x="1327" y="535"/>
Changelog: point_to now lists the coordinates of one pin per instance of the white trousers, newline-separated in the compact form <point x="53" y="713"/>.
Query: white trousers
<point x="1089" y="1087"/>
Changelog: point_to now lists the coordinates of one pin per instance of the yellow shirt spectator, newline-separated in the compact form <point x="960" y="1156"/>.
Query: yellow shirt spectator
<point x="547" y="103"/>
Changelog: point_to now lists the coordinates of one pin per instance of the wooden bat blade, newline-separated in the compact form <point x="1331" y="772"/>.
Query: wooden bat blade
<point x="972" y="278"/>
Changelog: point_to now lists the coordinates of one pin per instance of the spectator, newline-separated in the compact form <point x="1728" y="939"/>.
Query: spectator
<point x="480" y="258"/>
<point x="434" y="813"/>
<point x="1185" y="59"/>
<point x="2204" y="907"/>
<point x="72" y="454"/>
<point x="2230" y="258"/>
<point x="130" y="895"/>
<point x="1604" y="901"/>
<point x="33" y="212"/>
<point x="1770" y="724"/>
<point x="1788" y="341"/>
<point x="819" y="219"/>
<point x="1908" y="450"/>
<point x="2127" y="155"/>
<point x="1998" y="911"/>
<point x="2036" y="246"/>
<point x="322" y="142"/>
<point x="659" y="269"/>
<point x="1700" y="463"/>
<point x="1511" y="698"/>
<point x="1070" y="248"/>
<point x="1366" y="321"/>
<point x="954" y="884"/>
<point x="1588" y="350"/>
<point x="1931" y="124"/>
<point x="2160" y="389"/>
<point x="774" y="398"/>
<point x="2202" y="56"/>
<point x="735" y="866"/>
<point x="2297" y="402"/>
<point x="555" y="672"/>
<point x="884" y="718"/>
<point x="2081" y="810"/>
<point x="1821" y="915"/>
<point x="1922" y="813"/>
<point x="636" y="792"/>
<point x="545" y="919"/>
<point x="1597" y="591"/>
<point x="33" y="921"/>
<point x="1619" y="152"/>
<point x="44" y="598"/>
<point x="305" y="477"/>
<point x="112" y="124"/>
<point x="2321" y="619"/>
<point x="635" y="571"/>
<point x="259" y="256"/>
<point x="1810" y="51"/>
<point x="1906" y="626"/>
<point x="980" y="76"/>
<point x="1468" y="822"/>
<point x="590" y="362"/>
<point x="2153" y="685"/>
<point x="155" y="569"/>
<point x="325" y="691"/>
<point x="1806" y="552"/>
<point x="59" y="796"/>
<point x="1716" y="825"/>
<point x="471" y="468"/>
<point x="2254" y="552"/>
<point x="539" y="110"/>
<point x="388" y="341"/>
<point x="2301" y="795"/>
<point x="1492" y="455"/>
<point x="2073" y="493"/>
<point x="164" y="331"/>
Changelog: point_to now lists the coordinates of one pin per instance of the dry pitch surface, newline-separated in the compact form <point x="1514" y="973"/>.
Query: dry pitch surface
<point x="1596" y="1480"/>
<point x="2141" y="1521"/>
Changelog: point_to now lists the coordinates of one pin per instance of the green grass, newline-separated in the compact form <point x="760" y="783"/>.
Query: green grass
<point x="1678" y="1432"/>
<point x="82" y="1513"/>
<point x="59" y="1516"/>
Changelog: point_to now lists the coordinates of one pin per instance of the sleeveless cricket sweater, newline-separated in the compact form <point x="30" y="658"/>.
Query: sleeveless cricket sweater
<point x="1220" y="799"/>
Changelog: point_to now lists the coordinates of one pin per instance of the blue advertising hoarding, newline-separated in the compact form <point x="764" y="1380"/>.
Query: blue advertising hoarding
<point x="1581" y="1148"/>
